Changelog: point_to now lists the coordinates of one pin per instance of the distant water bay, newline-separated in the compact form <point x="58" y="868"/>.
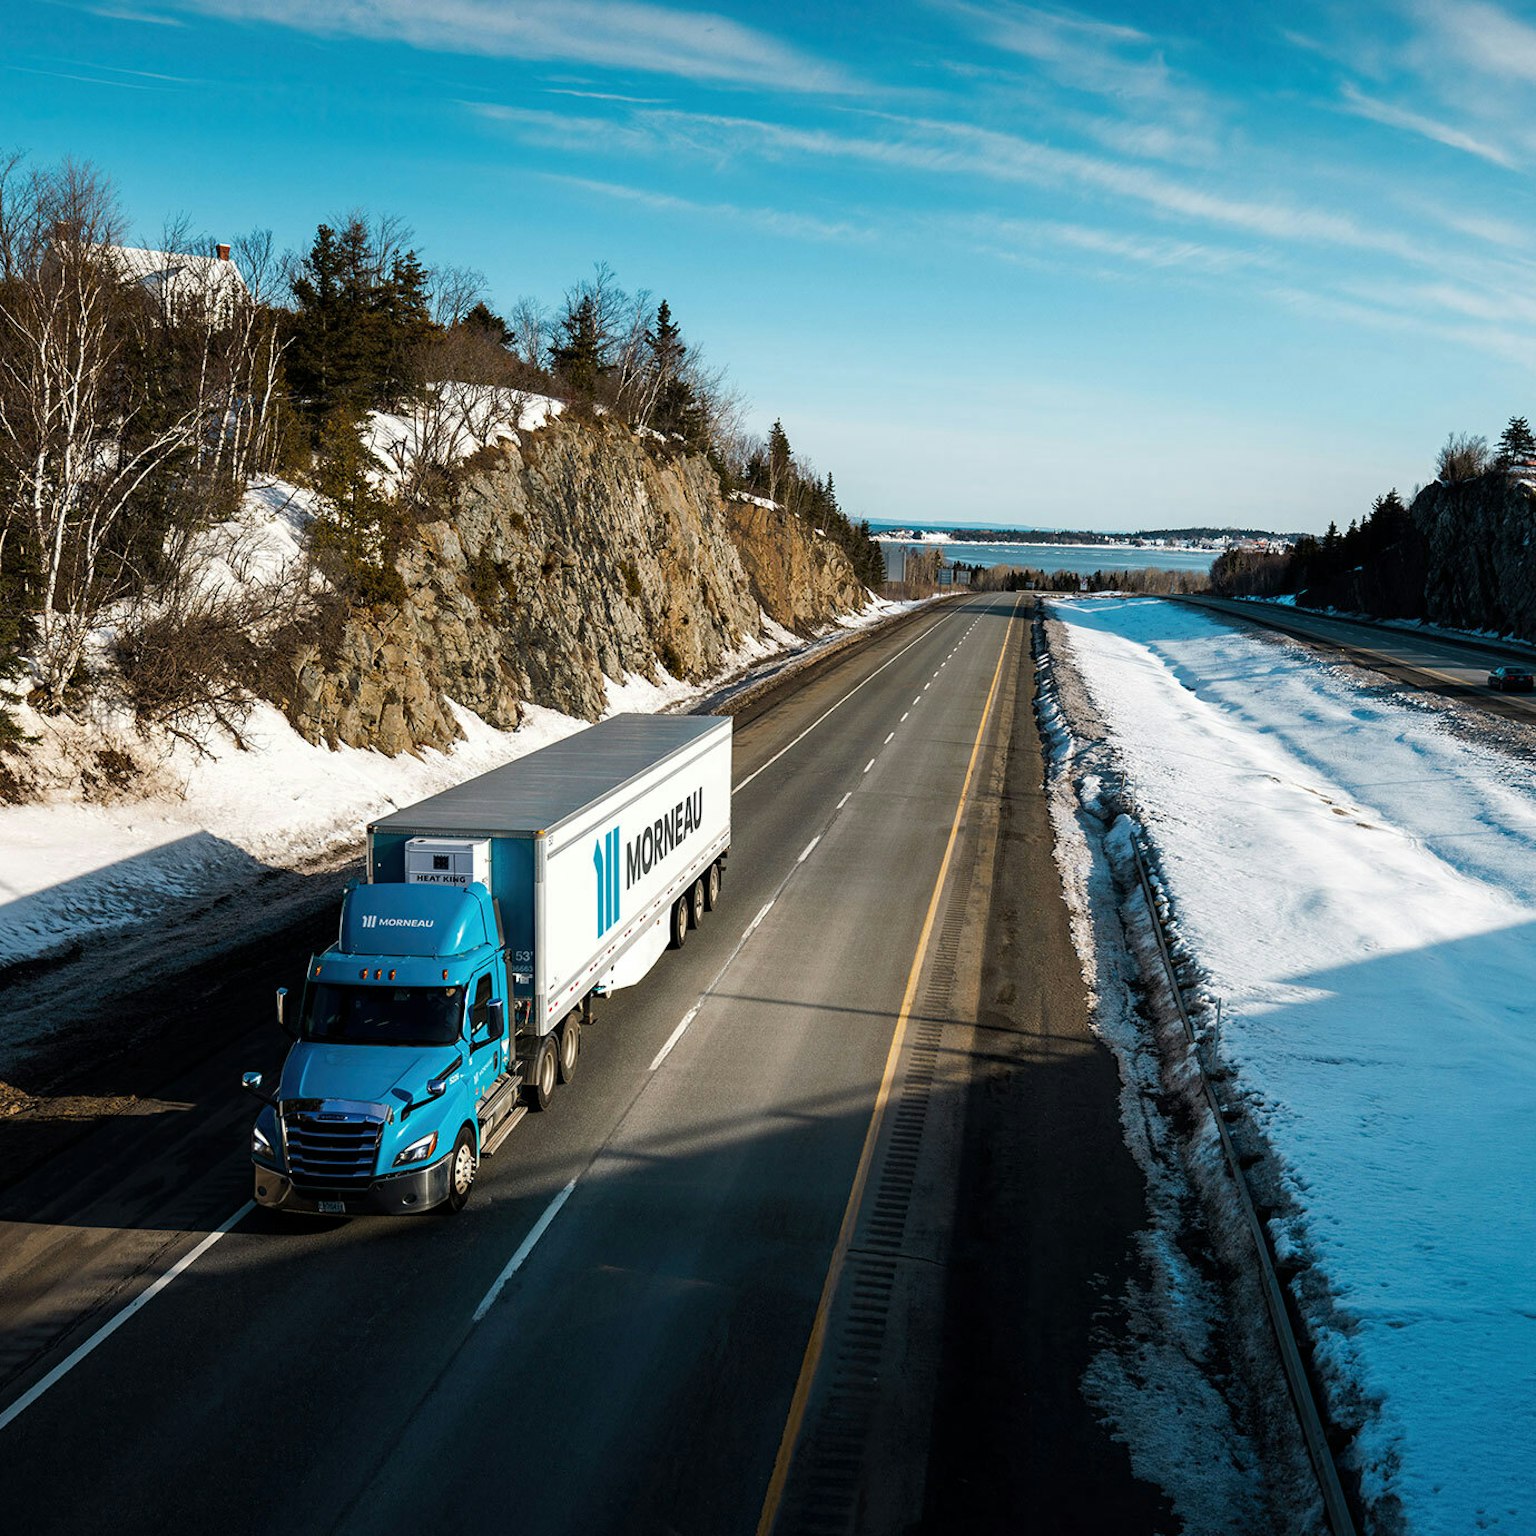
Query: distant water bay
<point x="1081" y="558"/>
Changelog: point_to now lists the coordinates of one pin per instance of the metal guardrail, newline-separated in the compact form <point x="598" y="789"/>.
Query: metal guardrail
<point x="1336" y="1506"/>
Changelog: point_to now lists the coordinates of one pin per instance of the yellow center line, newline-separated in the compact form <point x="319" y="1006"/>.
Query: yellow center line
<point x="813" y="1348"/>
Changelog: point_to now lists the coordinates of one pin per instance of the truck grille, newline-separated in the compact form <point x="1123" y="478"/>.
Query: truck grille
<point x="331" y="1151"/>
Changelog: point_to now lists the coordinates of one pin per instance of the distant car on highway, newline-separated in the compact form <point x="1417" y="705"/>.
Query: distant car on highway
<point x="1511" y="679"/>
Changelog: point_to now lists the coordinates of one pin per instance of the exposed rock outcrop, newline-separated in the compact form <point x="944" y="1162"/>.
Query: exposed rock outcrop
<point x="801" y="583"/>
<point x="577" y="556"/>
<point x="1479" y="553"/>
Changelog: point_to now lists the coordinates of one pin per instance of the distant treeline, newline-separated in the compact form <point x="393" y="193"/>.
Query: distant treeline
<point x="1459" y="554"/>
<point x="1013" y="578"/>
<point x="1090" y="536"/>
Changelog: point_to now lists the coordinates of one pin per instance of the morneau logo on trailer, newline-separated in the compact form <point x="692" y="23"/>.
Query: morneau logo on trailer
<point x="605" y="858"/>
<point x="662" y="836"/>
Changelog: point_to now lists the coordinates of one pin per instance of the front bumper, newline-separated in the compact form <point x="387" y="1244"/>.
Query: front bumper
<point x="400" y="1194"/>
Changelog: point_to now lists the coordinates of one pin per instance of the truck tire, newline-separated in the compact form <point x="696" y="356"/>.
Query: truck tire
<point x="570" y="1047"/>
<point x="544" y="1073"/>
<point x="695" y="900"/>
<point x="679" y="920"/>
<point x="462" y="1169"/>
<point x="712" y="886"/>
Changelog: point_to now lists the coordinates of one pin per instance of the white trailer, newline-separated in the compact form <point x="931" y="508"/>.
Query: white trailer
<point x="600" y="851"/>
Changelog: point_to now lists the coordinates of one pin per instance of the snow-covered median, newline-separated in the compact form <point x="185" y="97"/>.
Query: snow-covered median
<point x="1359" y="885"/>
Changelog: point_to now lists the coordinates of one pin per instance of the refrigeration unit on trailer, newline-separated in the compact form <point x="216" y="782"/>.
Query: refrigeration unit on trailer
<point x="453" y="999"/>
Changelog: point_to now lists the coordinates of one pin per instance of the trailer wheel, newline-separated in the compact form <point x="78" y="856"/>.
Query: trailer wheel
<point x="712" y="886"/>
<point x="461" y="1173"/>
<point x="570" y="1047"/>
<point x="679" y="923"/>
<point x="545" y="1073"/>
<point x="695" y="900"/>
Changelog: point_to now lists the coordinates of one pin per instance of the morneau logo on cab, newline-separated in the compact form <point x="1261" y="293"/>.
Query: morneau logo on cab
<point x="373" y="920"/>
<point x="605" y="859"/>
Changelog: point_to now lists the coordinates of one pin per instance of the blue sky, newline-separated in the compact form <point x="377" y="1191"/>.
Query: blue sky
<point x="1110" y="267"/>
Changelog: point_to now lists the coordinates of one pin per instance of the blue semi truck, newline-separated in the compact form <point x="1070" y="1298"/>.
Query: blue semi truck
<point x="452" y="1000"/>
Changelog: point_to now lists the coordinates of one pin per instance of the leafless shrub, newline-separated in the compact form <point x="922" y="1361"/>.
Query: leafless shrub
<point x="190" y="657"/>
<point x="1464" y="457"/>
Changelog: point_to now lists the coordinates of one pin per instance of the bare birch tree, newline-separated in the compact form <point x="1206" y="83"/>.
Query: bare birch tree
<point x="86" y="423"/>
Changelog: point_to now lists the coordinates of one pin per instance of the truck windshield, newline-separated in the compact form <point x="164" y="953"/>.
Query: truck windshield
<point x="383" y="1015"/>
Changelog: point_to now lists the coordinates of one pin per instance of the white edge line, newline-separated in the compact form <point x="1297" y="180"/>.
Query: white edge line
<point x="675" y="1036"/>
<point x="844" y="801"/>
<point x="107" y="1329"/>
<point x="515" y="1263"/>
<point x="926" y="634"/>
<point x="808" y="847"/>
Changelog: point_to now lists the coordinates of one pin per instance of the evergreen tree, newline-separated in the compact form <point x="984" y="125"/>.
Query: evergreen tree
<point x="580" y="358"/>
<point x="1518" y="443"/>
<point x="676" y="408"/>
<point x="482" y="320"/>
<point x="356" y="532"/>
<point x="780" y="462"/>
<point x="358" y="327"/>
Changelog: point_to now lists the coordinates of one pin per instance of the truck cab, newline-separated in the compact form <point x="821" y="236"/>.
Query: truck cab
<point x="402" y="1059"/>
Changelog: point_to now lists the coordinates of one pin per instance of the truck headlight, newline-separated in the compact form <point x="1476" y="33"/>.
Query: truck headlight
<point x="261" y="1147"/>
<point x="418" y="1151"/>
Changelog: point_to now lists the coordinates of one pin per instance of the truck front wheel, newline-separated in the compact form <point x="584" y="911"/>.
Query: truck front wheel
<point x="461" y="1171"/>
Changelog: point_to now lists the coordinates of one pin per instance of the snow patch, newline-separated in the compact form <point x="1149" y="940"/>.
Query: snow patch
<point x="1359" y="888"/>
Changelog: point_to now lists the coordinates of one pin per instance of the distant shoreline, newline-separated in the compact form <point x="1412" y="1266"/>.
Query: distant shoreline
<point x="1201" y="540"/>
<point x="936" y="539"/>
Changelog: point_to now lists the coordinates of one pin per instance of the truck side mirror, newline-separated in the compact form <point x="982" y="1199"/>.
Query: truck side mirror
<point x="496" y="1018"/>
<point x="282" y="1023"/>
<point x="251" y="1082"/>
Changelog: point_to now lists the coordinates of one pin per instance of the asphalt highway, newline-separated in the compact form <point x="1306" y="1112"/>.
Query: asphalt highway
<point x="1450" y="666"/>
<point x="610" y="1337"/>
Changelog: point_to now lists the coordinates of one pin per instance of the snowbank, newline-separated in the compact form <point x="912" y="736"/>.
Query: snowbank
<point x="72" y="868"/>
<point x="1360" y="887"/>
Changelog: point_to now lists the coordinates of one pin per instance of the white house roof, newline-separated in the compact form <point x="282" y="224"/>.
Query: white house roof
<point x="179" y="275"/>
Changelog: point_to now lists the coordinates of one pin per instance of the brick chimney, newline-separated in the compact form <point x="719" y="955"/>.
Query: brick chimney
<point x="223" y="251"/>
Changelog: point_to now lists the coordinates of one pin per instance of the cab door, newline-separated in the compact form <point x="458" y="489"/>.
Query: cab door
<point x="487" y="1053"/>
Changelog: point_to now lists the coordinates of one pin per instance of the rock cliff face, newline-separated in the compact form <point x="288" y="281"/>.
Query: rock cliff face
<point x="801" y="582"/>
<point x="1479" y="553"/>
<point x="576" y="556"/>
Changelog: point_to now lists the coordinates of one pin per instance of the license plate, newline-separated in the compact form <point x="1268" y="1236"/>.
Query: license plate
<point x="332" y="1207"/>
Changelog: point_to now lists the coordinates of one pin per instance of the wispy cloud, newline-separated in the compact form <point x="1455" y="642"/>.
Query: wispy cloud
<point x="775" y="221"/>
<point x="1141" y="250"/>
<point x="1360" y="105"/>
<point x="562" y="131"/>
<point x="1498" y="340"/>
<point x="615" y="34"/>
<point x="1089" y="55"/>
<point x="1484" y="37"/>
<point x="130" y="13"/>
<point x="931" y="145"/>
<point x="631" y="101"/>
<point x="64" y="74"/>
